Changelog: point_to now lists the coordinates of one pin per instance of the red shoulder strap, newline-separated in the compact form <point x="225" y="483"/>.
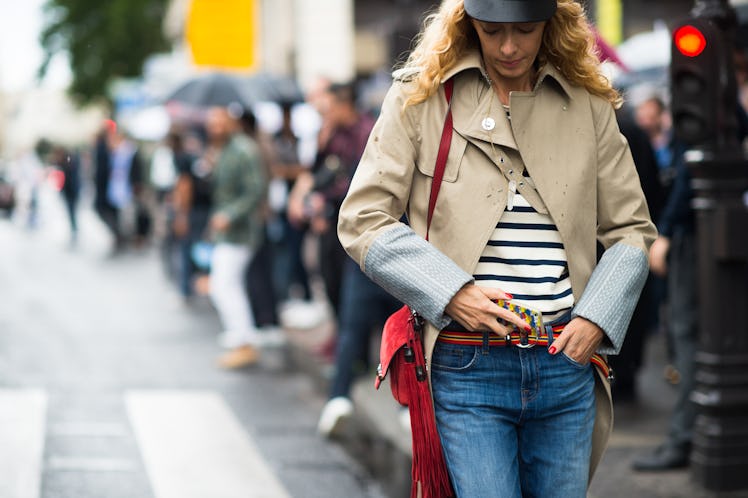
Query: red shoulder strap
<point x="441" y="157"/>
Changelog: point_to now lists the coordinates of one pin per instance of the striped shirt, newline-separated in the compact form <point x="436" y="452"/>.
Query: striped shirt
<point x="526" y="258"/>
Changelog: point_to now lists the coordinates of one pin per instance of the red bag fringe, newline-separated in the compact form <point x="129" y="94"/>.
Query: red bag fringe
<point x="402" y="353"/>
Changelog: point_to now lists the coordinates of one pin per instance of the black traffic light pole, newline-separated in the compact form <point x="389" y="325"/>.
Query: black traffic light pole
<point x="719" y="11"/>
<point x="719" y="177"/>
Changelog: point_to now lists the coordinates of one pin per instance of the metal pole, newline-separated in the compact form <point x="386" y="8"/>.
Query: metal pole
<point x="720" y="442"/>
<point x="719" y="11"/>
<point x="720" y="183"/>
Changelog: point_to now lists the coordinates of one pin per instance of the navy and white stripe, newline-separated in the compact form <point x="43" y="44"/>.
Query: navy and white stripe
<point x="526" y="258"/>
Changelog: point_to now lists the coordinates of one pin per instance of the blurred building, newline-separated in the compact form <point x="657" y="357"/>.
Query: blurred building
<point x="337" y="39"/>
<point x="29" y="115"/>
<point x="342" y="39"/>
<point x="621" y="19"/>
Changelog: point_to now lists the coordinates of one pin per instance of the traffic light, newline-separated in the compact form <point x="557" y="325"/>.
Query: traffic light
<point x="702" y="84"/>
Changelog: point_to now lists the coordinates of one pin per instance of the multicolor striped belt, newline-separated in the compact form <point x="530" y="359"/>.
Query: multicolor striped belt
<point x="465" y="338"/>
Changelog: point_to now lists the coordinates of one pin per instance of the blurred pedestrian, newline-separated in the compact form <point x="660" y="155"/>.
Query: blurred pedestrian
<point x="29" y="176"/>
<point x="318" y="194"/>
<point x="234" y="162"/>
<point x="259" y="278"/>
<point x="364" y="307"/>
<point x="123" y="187"/>
<point x="536" y="172"/>
<point x="652" y="116"/>
<point x="646" y="161"/>
<point x="740" y="62"/>
<point x="164" y="168"/>
<point x="102" y="168"/>
<point x="673" y="257"/>
<point x="192" y="201"/>
<point x="188" y="208"/>
<point x="645" y="318"/>
<point x="290" y="273"/>
<point x="68" y="164"/>
<point x="740" y="66"/>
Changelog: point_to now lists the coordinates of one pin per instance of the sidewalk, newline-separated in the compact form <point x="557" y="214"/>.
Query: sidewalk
<point x="376" y="437"/>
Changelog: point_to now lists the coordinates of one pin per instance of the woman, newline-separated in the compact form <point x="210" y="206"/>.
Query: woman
<point x="537" y="173"/>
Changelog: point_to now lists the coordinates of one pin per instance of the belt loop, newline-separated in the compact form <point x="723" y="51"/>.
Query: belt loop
<point x="549" y="333"/>
<point x="485" y="349"/>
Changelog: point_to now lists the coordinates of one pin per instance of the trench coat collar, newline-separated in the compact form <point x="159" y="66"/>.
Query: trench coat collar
<point x="472" y="60"/>
<point x="474" y="102"/>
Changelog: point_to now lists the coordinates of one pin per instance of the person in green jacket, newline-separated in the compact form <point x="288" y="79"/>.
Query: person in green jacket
<point x="239" y="186"/>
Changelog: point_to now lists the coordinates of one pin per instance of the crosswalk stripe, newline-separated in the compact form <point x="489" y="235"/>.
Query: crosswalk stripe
<point x="23" y="415"/>
<point x="82" y="464"/>
<point x="88" y="429"/>
<point x="193" y="447"/>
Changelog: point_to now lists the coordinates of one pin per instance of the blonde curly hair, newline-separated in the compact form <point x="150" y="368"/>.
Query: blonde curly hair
<point x="568" y="44"/>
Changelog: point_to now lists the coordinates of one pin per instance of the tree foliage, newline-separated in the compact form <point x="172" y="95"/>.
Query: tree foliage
<point x="105" y="39"/>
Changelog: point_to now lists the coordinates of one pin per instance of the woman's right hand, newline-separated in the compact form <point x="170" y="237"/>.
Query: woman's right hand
<point x="475" y="308"/>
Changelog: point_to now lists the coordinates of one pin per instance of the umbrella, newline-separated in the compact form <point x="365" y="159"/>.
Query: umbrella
<point x="272" y="87"/>
<point x="220" y="89"/>
<point x="212" y="89"/>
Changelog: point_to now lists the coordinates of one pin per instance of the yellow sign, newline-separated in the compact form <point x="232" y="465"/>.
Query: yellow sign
<point x="223" y="33"/>
<point x="610" y="20"/>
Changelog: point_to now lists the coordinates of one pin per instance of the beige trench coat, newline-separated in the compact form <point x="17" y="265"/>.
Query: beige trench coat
<point x="567" y="139"/>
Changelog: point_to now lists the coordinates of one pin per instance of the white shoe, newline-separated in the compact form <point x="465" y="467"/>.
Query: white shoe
<point x="333" y="416"/>
<point x="271" y="337"/>
<point x="302" y="315"/>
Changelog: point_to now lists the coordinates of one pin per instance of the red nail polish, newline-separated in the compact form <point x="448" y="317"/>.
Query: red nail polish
<point x="552" y="349"/>
<point x="509" y="296"/>
<point x="528" y="328"/>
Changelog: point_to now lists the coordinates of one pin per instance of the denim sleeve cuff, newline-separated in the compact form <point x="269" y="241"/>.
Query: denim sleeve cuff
<point x="612" y="293"/>
<point x="415" y="272"/>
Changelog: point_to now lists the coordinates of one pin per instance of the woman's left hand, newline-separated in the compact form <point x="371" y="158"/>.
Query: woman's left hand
<point x="579" y="340"/>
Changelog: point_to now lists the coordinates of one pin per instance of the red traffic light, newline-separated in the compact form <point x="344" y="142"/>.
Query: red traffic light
<point x="689" y="40"/>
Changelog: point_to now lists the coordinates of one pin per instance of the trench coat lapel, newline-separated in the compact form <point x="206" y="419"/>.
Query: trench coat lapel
<point x="472" y="108"/>
<point x="538" y="116"/>
<point x="545" y="159"/>
<point x="475" y="101"/>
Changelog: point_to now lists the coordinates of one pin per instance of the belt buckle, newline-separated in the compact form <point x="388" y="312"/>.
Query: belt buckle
<point x="524" y="340"/>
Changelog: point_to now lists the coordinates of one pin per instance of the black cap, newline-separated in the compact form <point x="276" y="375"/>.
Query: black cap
<point x="510" y="10"/>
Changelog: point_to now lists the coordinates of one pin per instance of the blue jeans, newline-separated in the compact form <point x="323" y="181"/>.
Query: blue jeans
<point x="513" y="422"/>
<point x="288" y="264"/>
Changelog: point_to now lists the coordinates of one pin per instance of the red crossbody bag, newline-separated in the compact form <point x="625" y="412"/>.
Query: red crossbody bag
<point x="402" y="356"/>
